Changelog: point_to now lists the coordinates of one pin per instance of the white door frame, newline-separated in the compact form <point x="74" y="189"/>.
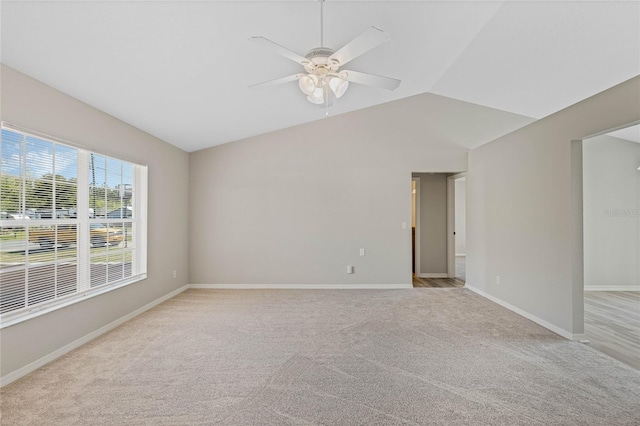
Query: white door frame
<point x="416" y="255"/>
<point x="451" y="223"/>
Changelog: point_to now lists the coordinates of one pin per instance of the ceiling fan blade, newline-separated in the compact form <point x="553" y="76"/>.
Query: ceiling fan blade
<point x="279" y="49"/>
<point x="278" y="81"/>
<point x="372" y="80"/>
<point x="363" y="43"/>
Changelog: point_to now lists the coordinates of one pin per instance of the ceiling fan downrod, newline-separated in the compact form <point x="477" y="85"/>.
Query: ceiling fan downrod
<point x="321" y="23"/>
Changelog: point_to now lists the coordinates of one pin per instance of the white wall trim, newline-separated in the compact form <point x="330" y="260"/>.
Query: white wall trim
<point x="417" y="259"/>
<point x="527" y="315"/>
<point x="302" y="286"/>
<point x="451" y="227"/>
<point x="582" y="338"/>
<point x="459" y="175"/>
<point x="612" y="288"/>
<point x="21" y="372"/>
<point x="433" y="275"/>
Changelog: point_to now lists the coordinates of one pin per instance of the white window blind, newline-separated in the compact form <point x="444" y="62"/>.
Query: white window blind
<point x="72" y="224"/>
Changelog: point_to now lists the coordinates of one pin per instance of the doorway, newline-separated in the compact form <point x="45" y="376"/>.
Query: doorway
<point x="415" y="214"/>
<point x="460" y="228"/>
<point x="432" y="219"/>
<point x="611" y="243"/>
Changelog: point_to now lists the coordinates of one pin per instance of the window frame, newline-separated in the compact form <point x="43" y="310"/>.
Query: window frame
<point x="83" y="222"/>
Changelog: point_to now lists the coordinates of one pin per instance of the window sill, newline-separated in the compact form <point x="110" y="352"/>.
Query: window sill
<point x="12" y="318"/>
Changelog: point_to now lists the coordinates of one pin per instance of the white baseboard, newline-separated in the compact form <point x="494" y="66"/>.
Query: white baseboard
<point x="302" y="286"/>
<point x="21" y="372"/>
<point x="527" y="315"/>
<point x="582" y="338"/>
<point x="433" y="275"/>
<point x="612" y="288"/>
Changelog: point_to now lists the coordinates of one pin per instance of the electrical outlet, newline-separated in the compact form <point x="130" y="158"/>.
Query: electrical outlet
<point x="349" y="269"/>
<point x="175" y="274"/>
<point x="361" y="252"/>
<point x="497" y="279"/>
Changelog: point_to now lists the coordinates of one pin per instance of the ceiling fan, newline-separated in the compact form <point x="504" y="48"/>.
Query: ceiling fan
<point x="323" y="75"/>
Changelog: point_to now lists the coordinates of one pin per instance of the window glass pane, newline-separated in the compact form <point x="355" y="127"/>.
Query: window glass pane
<point x="128" y="264"/>
<point x="97" y="181"/>
<point x="41" y="284"/>
<point x="97" y="170"/>
<point x="98" y="271"/>
<point x="13" y="243"/>
<point x="67" y="242"/>
<point x="39" y="196"/>
<point x="67" y="198"/>
<point x="52" y="242"/>
<point x="127" y="173"/>
<point x="114" y="204"/>
<point x="11" y="147"/>
<point x="114" y="183"/>
<point x="66" y="164"/>
<point x="11" y="168"/>
<point x="129" y="240"/>
<point x="97" y="202"/>
<point x="39" y="159"/>
<point x="115" y="268"/>
<point x="66" y="277"/>
<point x="126" y="190"/>
<point x="11" y="191"/>
<point x="12" y="290"/>
<point x="114" y="172"/>
<point x="105" y="234"/>
<point x="66" y="178"/>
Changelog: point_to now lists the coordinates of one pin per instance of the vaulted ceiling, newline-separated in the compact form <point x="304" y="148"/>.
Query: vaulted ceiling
<point x="180" y="70"/>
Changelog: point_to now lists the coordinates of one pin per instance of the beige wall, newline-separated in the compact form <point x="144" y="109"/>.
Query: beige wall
<point x="611" y="214"/>
<point x="433" y="223"/>
<point x="32" y="105"/>
<point x="524" y="205"/>
<point x="295" y="206"/>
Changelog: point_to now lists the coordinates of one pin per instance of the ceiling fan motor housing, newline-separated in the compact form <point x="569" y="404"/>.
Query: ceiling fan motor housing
<point x="319" y="60"/>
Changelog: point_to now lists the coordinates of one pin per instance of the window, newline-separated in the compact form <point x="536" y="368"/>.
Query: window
<point x="72" y="224"/>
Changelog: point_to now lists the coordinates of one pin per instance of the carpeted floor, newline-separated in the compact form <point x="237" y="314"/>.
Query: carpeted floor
<point x="304" y="357"/>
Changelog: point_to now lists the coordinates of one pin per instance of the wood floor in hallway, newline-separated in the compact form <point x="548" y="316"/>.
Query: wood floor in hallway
<point x="456" y="282"/>
<point x="612" y="324"/>
<point x="437" y="282"/>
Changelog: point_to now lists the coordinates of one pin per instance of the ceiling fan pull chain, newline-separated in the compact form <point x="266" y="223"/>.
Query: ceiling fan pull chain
<point x="326" y="110"/>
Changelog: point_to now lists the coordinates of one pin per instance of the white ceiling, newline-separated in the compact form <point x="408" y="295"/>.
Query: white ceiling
<point x="180" y="70"/>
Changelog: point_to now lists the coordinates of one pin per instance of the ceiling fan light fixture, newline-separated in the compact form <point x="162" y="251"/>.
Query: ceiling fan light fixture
<point x="339" y="84"/>
<point x="308" y="84"/>
<point x="317" y="97"/>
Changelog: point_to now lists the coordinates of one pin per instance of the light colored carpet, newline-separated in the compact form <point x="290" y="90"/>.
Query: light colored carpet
<point x="303" y="357"/>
